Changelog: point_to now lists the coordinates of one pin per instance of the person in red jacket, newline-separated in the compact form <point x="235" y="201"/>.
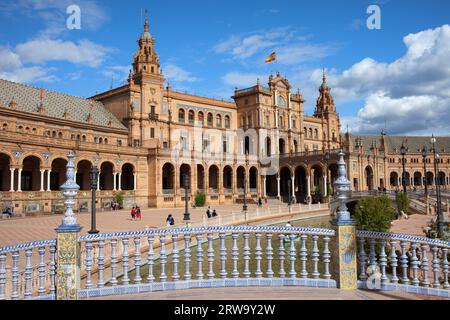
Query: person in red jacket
<point x="133" y="213"/>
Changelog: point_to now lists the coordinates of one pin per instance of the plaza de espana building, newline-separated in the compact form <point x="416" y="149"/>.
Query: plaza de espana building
<point x="150" y="142"/>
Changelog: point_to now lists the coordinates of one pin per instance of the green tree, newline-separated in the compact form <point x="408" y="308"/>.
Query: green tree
<point x="402" y="200"/>
<point x="119" y="199"/>
<point x="200" y="199"/>
<point x="374" y="214"/>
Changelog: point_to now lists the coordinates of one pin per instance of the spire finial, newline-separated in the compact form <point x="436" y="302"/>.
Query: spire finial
<point x="324" y="78"/>
<point x="146" y="21"/>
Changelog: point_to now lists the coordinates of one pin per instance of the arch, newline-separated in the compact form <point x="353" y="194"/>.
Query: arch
<point x="168" y="173"/>
<point x="417" y="178"/>
<point x="227" y="177"/>
<point x="253" y="179"/>
<point x="393" y="179"/>
<point x="185" y="169"/>
<point x="407" y="179"/>
<point x="106" y="176"/>
<point x="31" y="175"/>
<point x="441" y="178"/>
<point x="5" y="172"/>
<point x="181" y="114"/>
<point x="218" y="121"/>
<point x="281" y="146"/>
<point x="268" y="146"/>
<point x="300" y="184"/>
<point x="285" y="183"/>
<point x="368" y="177"/>
<point x="31" y="154"/>
<point x="58" y="173"/>
<point x="227" y="122"/>
<point x="240" y="177"/>
<point x="82" y="178"/>
<point x="200" y="177"/>
<point x="127" y="177"/>
<point x="191" y="117"/>
<point x="209" y="119"/>
<point x="316" y="134"/>
<point x="201" y="118"/>
<point x="333" y="174"/>
<point x="430" y="178"/>
<point x="317" y="182"/>
<point x="213" y="178"/>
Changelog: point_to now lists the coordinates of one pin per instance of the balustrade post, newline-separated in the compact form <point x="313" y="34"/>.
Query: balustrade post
<point x="15" y="275"/>
<point x="187" y="256"/>
<point x="68" y="260"/>
<point x="125" y="257"/>
<point x="163" y="258"/>
<point x="210" y="256"/>
<point x="199" y="257"/>
<point x="394" y="261"/>
<point x="137" y="260"/>
<point x="315" y="257"/>
<point x="344" y="246"/>
<point x="414" y="264"/>
<point x="292" y="255"/>
<point x="235" y="254"/>
<point x="2" y="276"/>
<point x="41" y="271"/>
<point x="113" y="262"/>
<point x="246" y="253"/>
<point x="269" y="255"/>
<point x="445" y="267"/>
<point x="404" y="263"/>
<point x="281" y="255"/>
<point x="175" y="258"/>
<point x="424" y="266"/>
<point x="28" y="273"/>
<point x="258" y="256"/>
<point x="150" y="262"/>
<point x="436" y="283"/>
<point x="383" y="261"/>
<point x="326" y="258"/>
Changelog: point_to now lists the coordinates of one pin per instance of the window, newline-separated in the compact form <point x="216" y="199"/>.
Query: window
<point x="191" y="116"/>
<point x="224" y="144"/>
<point x="210" y="120"/>
<point x="227" y="122"/>
<point x="136" y="105"/>
<point x="119" y="142"/>
<point x="164" y="107"/>
<point x="218" y="121"/>
<point x="267" y="121"/>
<point x="316" y="134"/>
<point x="305" y="131"/>
<point x="249" y="120"/>
<point x="281" y="101"/>
<point x="152" y="132"/>
<point x="310" y="132"/>
<point x="165" y="145"/>
<point x="136" y="142"/>
<point x="181" y="116"/>
<point x="201" y="118"/>
<point x="281" y="122"/>
<point x="152" y="110"/>
<point x="106" y="141"/>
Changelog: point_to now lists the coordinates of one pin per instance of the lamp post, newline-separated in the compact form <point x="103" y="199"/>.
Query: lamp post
<point x="425" y="180"/>
<point x="440" y="217"/>
<point x="244" y="207"/>
<point x="403" y="152"/>
<point x="187" y="215"/>
<point x="93" y="175"/>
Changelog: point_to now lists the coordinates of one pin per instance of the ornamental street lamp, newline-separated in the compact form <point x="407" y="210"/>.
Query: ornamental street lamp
<point x="244" y="207"/>
<point x="425" y="180"/>
<point x="187" y="215"/>
<point x="93" y="175"/>
<point x="424" y="156"/>
<point x="438" y="189"/>
<point x="403" y="152"/>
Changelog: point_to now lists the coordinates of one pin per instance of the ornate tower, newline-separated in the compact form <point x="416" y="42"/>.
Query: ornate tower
<point x="326" y="110"/>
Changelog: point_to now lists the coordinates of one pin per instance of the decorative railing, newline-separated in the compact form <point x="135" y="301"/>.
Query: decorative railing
<point x="18" y="281"/>
<point x="184" y="258"/>
<point x="403" y="260"/>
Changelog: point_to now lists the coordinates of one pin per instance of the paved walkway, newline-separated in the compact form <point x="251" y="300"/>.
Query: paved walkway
<point x="413" y="225"/>
<point x="271" y="293"/>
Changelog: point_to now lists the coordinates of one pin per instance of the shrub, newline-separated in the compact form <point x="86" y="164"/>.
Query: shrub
<point x="374" y="214"/>
<point x="119" y="199"/>
<point x="402" y="200"/>
<point x="200" y="199"/>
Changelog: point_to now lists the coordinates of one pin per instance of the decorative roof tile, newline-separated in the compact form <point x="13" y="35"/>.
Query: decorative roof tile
<point x="55" y="105"/>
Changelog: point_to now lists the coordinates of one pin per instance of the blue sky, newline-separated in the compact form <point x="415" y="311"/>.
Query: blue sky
<point x="398" y="75"/>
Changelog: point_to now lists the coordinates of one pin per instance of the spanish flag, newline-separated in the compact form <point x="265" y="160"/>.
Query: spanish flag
<point x="272" y="57"/>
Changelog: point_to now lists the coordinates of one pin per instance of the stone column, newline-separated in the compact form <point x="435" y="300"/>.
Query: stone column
<point x="325" y="191"/>
<point x="42" y="181"/>
<point x="19" y="180"/>
<point x="293" y="186"/>
<point x="278" y="187"/>
<point x="68" y="247"/>
<point x="48" y="180"/>
<point x="135" y="181"/>
<point x="11" y="187"/>
<point x="264" y="186"/>
<point x="114" y="181"/>
<point x="308" y="188"/>
<point x="120" y="181"/>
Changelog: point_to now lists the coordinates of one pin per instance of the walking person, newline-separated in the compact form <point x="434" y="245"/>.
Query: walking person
<point x="170" y="221"/>
<point x="208" y="212"/>
<point x="138" y="214"/>
<point x="214" y="213"/>
<point x="133" y="212"/>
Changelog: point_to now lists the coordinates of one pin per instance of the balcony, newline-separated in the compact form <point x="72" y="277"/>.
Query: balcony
<point x="153" y="116"/>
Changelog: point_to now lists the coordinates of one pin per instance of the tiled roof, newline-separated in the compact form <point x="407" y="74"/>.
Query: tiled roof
<point x="56" y="104"/>
<point x="415" y="144"/>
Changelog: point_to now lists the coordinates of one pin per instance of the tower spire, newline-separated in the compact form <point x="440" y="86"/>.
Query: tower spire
<point x="146" y="21"/>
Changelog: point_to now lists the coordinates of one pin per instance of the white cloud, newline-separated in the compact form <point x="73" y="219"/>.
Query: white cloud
<point x="239" y="79"/>
<point x="412" y="93"/>
<point x="176" y="74"/>
<point x="11" y="68"/>
<point x="40" y="51"/>
<point x="290" y="48"/>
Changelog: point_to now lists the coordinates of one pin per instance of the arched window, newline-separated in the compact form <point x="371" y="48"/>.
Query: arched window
<point x="191" y="116"/>
<point x="227" y="122"/>
<point x="316" y="134"/>
<point x="310" y="132"/>
<point x="181" y="115"/>
<point x="201" y="118"/>
<point x="210" y="120"/>
<point x="218" y="121"/>
<point x="281" y="101"/>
